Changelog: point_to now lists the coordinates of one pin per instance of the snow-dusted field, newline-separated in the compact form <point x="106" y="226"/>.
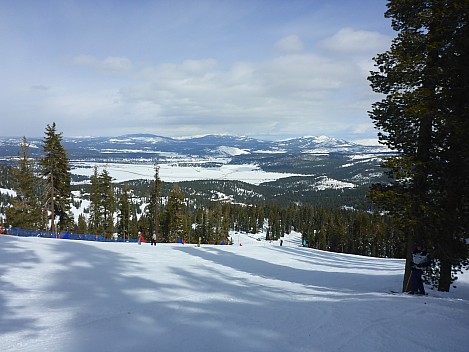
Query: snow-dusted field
<point x="177" y="173"/>
<point x="64" y="296"/>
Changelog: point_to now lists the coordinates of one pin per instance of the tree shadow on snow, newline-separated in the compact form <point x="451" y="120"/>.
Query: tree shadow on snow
<point x="13" y="256"/>
<point x="107" y="300"/>
<point x="334" y="279"/>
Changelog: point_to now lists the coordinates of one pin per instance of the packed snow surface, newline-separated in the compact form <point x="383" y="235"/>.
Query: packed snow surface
<point x="74" y="296"/>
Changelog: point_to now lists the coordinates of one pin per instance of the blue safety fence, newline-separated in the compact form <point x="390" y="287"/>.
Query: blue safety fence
<point x="16" y="231"/>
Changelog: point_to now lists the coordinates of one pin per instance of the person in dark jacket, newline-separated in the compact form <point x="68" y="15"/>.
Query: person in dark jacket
<point x="420" y="260"/>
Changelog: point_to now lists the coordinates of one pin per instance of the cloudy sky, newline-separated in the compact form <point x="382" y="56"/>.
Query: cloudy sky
<point x="270" y="69"/>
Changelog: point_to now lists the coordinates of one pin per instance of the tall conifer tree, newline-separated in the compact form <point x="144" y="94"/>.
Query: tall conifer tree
<point x="25" y="211"/>
<point x="174" y="215"/>
<point x="94" y="221"/>
<point x="56" y="169"/>
<point x="154" y="203"/>
<point x="102" y="203"/>
<point x="124" y="209"/>
<point x="108" y="203"/>
<point x="424" y="118"/>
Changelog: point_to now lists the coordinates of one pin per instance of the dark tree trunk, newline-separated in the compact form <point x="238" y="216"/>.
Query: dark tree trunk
<point x="408" y="265"/>
<point x="445" y="276"/>
<point x="52" y="202"/>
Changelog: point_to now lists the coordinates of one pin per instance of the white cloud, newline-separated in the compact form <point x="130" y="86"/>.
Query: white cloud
<point x="110" y="63"/>
<point x="290" y="92"/>
<point x="85" y="60"/>
<point x="115" y="63"/>
<point x="292" y="43"/>
<point x="199" y="66"/>
<point x="351" y="41"/>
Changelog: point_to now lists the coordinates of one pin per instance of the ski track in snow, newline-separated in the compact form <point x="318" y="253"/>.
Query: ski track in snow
<point x="63" y="295"/>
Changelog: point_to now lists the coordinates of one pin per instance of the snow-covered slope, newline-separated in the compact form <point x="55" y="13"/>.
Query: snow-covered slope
<point x="72" y="296"/>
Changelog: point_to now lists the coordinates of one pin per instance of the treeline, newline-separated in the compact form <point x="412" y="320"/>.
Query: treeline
<point x="185" y="218"/>
<point x="332" y="229"/>
<point x="284" y="192"/>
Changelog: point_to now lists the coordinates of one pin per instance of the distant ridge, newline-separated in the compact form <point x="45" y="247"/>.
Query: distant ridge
<point x="141" y="135"/>
<point x="210" y="145"/>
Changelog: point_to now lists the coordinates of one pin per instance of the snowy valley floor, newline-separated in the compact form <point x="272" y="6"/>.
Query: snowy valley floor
<point x="64" y="296"/>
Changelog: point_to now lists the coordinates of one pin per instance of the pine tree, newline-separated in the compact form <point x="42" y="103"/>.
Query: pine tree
<point x="56" y="169"/>
<point x="124" y="211"/>
<point x="225" y="225"/>
<point x="174" y="215"/>
<point x="218" y="224"/>
<point x="94" y="221"/>
<point x="25" y="211"/>
<point x="200" y="225"/>
<point x="81" y="226"/>
<point x="424" y="118"/>
<point x="102" y="203"/>
<point x="107" y="203"/>
<point x="153" y="208"/>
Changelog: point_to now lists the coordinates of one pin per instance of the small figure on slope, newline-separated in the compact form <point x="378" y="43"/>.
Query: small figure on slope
<point x="420" y="260"/>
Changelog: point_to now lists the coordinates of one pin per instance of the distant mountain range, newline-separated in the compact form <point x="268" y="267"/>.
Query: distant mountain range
<point x="157" y="147"/>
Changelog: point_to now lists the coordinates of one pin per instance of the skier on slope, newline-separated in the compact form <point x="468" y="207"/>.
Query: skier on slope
<point x="420" y="260"/>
